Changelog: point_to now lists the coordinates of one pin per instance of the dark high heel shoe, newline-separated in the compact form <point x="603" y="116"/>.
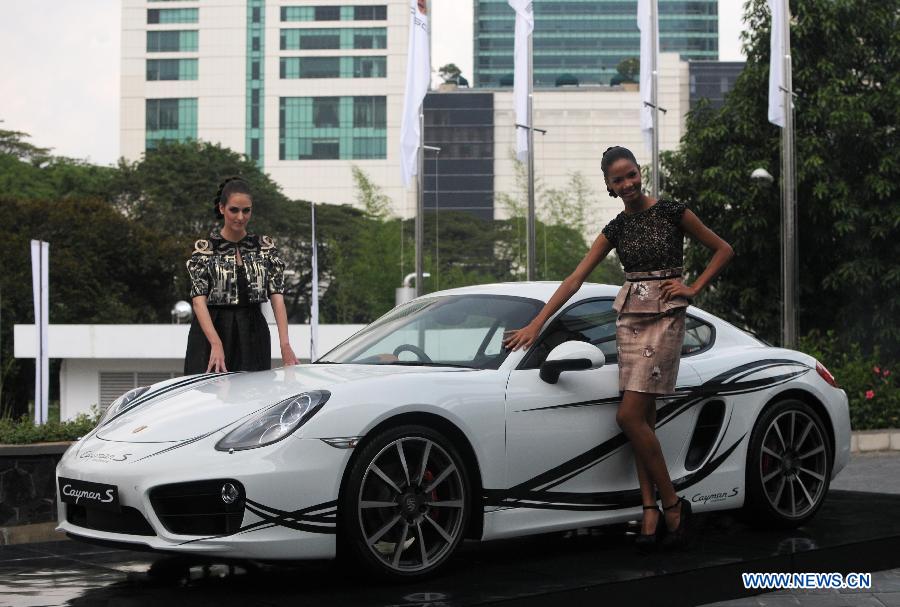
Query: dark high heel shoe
<point x="646" y="542"/>
<point x="679" y="538"/>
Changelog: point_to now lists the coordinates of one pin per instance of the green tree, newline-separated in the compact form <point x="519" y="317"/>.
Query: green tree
<point x="848" y="171"/>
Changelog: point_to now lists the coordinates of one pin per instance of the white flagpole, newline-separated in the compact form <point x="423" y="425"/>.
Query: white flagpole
<point x="418" y="79"/>
<point x="648" y="24"/>
<point x="40" y="263"/>
<point x="523" y="101"/>
<point x="314" y="300"/>
<point x="781" y="113"/>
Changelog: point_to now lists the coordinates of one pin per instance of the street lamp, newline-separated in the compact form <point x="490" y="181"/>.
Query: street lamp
<point x="761" y="175"/>
<point x="407" y="292"/>
<point x="181" y="311"/>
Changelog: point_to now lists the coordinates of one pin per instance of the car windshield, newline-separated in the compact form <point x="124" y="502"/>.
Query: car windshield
<point x="454" y="330"/>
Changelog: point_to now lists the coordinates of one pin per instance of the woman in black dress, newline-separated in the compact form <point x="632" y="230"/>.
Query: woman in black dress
<point x="648" y="236"/>
<point x="232" y="272"/>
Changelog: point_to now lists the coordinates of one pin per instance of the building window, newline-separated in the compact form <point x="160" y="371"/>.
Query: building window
<point x="369" y="112"/>
<point x="332" y="67"/>
<point x="256" y="15"/>
<point x="172" y="41"/>
<point x="369" y="67"/>
<point x="172" y="15"/>
<point x="254" y="70"/>
<point x="334" y="13"/>
<point x="255" y="44"/>
<point x="170" y="120"/>
<point x="325" y="112"/>
<point x="334" y="38"/>
<point x="327" y="13"/>
<point x="332" y="128"/>
<point x="369" y="13"/>
<point x="171" y="69"/>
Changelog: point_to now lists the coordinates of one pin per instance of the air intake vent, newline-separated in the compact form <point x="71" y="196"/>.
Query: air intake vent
<point x="200" y="507"/>
<point x="709" y="422"/>
<point x="129" y="520"/>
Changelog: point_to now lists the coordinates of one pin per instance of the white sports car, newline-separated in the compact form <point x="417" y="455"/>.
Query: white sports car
<point x="422" y="430"/>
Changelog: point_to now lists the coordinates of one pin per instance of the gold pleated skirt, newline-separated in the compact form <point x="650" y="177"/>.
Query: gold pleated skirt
<point x="649" y="334"/>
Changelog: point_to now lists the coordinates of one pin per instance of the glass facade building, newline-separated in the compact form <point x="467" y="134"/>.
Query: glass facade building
<point x="255" y="77"/>
<point x="461" y="177"/>
<point x="332" y="128"/>
<point x="712" y="80"/>
<point x="170" y="120"/>
<point x="583" y="41"/>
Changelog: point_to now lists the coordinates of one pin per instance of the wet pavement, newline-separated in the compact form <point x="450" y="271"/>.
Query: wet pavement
<point x="854" y="531"/>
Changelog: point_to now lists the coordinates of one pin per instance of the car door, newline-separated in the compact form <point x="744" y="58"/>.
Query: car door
<point x="565" y="451"/>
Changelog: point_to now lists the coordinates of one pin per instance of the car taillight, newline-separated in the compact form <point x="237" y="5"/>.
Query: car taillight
<point x="826" y="374"/>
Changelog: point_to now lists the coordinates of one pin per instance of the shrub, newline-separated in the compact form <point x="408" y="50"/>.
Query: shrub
<point x="23" y="431"/>
<point x="869" y="380"/>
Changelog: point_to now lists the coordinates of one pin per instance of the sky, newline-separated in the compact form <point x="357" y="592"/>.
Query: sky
<point x="60" y="67"/>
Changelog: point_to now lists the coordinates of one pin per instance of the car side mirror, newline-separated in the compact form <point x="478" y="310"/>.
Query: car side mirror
<point x="571" y="356"/>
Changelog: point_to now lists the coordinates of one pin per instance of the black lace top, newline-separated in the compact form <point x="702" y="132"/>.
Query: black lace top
<point x="649" y="240"/>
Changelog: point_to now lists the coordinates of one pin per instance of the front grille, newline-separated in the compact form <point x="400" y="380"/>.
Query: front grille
<point x="197" y="508"/>
<point x="129" y="520"/>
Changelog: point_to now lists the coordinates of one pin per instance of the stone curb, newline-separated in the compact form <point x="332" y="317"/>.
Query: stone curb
<point x="30" y="534"/>
<point x="865" y="441"/>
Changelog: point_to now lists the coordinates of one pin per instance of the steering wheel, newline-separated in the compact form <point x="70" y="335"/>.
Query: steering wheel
<point x="419" y="352"/>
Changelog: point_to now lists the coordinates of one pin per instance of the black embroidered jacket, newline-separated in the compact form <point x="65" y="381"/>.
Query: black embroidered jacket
<point x="213" y="269"/>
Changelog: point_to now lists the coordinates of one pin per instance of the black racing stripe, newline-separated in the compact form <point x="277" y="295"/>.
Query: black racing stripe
<point x="586" y="403"/>
<point x="152" y="394"/>
<point x="183" y="443"/>
<point x="763" y="368"/>
<point x="720" y="379"/>
<point x="595" y="501"/>
<point x="291" y="524"/>
<point x="302" y="511"/>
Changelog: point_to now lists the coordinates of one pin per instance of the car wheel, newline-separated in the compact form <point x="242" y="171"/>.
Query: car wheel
<point x="405" y="503"/>
<point x="788" y="465"/>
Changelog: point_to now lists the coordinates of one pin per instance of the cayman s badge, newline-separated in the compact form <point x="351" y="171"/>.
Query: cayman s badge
<point x="138" y="429"/>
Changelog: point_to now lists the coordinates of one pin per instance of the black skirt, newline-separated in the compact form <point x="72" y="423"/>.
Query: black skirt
<point x="245" y="338"/>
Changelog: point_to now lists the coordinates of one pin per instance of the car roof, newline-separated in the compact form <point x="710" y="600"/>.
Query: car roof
<point x="541" y="290"/>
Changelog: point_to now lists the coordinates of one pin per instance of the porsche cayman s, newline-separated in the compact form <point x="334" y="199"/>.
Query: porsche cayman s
<point x="421" y="430"/>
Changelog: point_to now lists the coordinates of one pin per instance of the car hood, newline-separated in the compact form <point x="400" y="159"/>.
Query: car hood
<point x="195" y="406"/>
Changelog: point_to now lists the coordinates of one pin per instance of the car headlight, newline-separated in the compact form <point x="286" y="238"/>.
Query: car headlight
<point x="275" y="423"/>
<point x="122" y="404"/>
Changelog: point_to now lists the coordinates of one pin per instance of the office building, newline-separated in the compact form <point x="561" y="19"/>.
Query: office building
<point x="578" y="42"/>
<point x="306" y="90"/>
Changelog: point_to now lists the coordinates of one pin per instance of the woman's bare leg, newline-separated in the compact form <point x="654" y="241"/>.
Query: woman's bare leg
<point x="634" y="418"/>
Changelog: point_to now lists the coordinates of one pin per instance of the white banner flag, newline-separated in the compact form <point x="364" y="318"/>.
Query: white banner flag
<point x="418" y="77"/>
<point x="645" y="25"/>
<point x="314" y="304"/>
<point x="40" y="284"/>
<point x="776" y="62"/>
<point x="524" y="27"/>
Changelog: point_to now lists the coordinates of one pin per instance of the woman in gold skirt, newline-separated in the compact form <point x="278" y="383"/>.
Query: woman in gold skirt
<point x="648" y="236"/>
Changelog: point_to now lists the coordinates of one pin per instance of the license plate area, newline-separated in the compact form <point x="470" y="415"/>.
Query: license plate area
<point x="89" y="495"/>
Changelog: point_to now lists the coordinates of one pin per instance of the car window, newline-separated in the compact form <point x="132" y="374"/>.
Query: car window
<point x="591" y="321"/>
<point x="698" y="335"/>
<point x="595" y="322"/>
<point x="462" y="330"/>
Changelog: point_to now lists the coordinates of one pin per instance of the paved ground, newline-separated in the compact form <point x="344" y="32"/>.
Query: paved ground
<point x="66" y="574"/>
<point x="871" y="472"/>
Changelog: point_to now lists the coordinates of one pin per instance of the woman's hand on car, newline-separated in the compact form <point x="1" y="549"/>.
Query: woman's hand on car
<point x="514" y="339"/>
<point x="216" y="359"/>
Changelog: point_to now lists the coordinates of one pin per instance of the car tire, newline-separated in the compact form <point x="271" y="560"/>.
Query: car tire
<point x="789" y="465"/>
<point x="398" y="518"/>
